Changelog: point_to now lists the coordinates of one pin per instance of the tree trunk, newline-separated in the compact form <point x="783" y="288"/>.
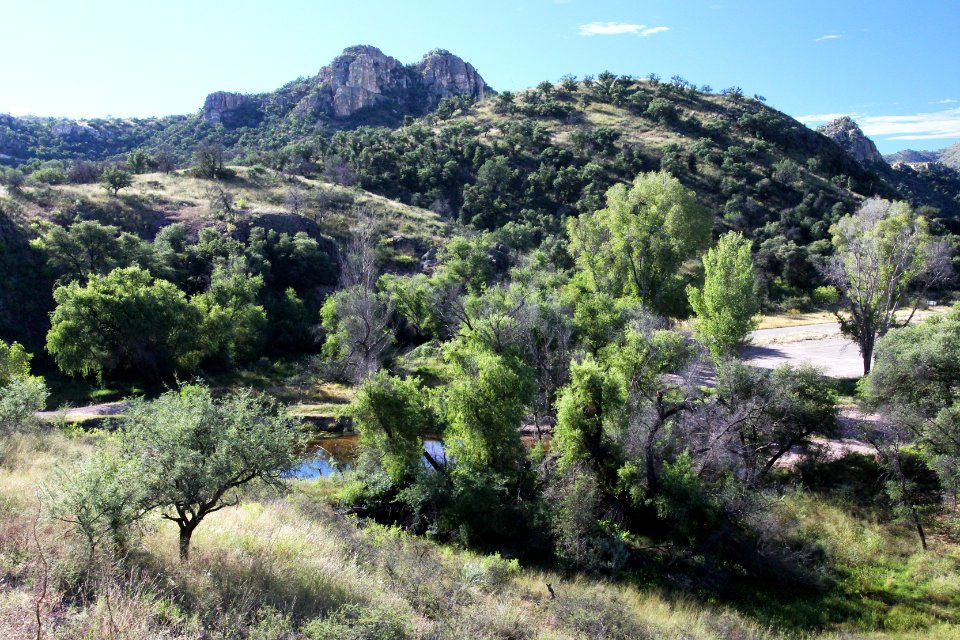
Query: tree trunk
<point x="867" y="350"/>
<point x="916" y="522"/>
<point x="185" y="534"/>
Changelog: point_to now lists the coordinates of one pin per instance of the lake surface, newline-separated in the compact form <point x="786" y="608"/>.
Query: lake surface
<point x="334" y="455"/>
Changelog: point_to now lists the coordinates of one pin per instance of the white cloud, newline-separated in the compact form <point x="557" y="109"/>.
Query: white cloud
<point x="619" y="28"/>
<point x="921" y="126"/>
<point x="829" y="36"/>
<point x="944" y="101"/>
<point x="819" y="118"/>
<point x="938" y="125"/>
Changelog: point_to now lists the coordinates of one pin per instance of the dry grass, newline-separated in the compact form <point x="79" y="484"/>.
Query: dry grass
<point x="292" y="567"/>
<point x="155" y="199"/>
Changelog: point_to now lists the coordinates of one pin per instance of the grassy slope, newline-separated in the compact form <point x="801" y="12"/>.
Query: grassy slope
<point x="156" y="199"/>
<point x="299" y="556"/>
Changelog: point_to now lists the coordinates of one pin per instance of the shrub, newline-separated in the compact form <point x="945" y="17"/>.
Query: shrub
<point x="825" y="296"/>
<point x="48" y="175"/>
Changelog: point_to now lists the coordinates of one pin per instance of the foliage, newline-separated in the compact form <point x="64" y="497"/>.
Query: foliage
<point x="14" y="362"/>
<point x="885" y="257"/>
<point x="125" y="321"/>
<point x="114" y="178"/>
<point x="635" y="246"/>
<point x="88" y="248"/>
<point x="20" y="398"/>
<point x="196" y="452"/>
<point x="233" y="322"/>
<point x="726" y="306"/>
<point x="102" y="497"/>
<point x="392" y="416"/>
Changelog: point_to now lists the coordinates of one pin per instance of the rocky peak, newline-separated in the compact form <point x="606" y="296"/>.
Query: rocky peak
<point x="358" y="78"/>
<point x="845" y="132"/>
<point x="446" y="75"/>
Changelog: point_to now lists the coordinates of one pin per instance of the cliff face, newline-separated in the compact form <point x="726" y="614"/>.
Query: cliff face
<point x="848" y="135"/>
<point x="232" y="109"/>
<point x="444" y="75"/>
<point x="360" y="78"/>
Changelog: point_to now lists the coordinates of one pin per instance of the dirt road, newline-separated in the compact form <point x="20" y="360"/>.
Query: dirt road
<point x="820" y="345"/>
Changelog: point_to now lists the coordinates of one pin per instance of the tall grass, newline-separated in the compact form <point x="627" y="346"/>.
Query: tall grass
<point x="292" y="566"/>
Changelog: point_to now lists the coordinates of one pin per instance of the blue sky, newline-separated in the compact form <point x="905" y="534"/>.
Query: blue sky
<point x="891" y="64"/>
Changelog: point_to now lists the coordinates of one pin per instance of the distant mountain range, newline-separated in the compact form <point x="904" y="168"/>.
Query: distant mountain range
<point x="949" y="156"/>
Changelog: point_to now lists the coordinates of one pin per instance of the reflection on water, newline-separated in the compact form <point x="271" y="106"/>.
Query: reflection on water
<point x="330" y="456"/>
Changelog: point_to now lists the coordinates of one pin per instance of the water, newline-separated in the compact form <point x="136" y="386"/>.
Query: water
<point x="334" y="455"/>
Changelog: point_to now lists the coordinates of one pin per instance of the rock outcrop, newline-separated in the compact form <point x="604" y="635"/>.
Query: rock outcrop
<point x="360" y="78"/>
<point x="845" y="132"/>
<point x="232" y="109"/>
<point x="74" y="130"/>
<point x="445" y="75"/>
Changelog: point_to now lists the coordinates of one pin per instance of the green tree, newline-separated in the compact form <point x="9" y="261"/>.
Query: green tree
<point x="726" y="306"/>
<point x="140" y="161"/>
<point x="915" y="385"/>
<point x="88" y="247"/>
<point x="21" y="394"/>
<point x="636" y="245"/>
<point x="14" y="362"/>
<point x="114" y="178"/>
<point x="590" y="411"/>
<point x="101" y="497"/>
<point x="484" y="404"/>
<point x="392" y="415"/>
<point x="196" y="453"/>
<point x="885" y="258"/>
<point x="233" y="322"/>
<point x="124" y="321"/>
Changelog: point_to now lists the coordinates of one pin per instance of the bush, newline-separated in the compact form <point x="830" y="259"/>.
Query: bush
<point x="825" y="296"/>
<point x="353" y="622"/>
<point x="48" y="175"/>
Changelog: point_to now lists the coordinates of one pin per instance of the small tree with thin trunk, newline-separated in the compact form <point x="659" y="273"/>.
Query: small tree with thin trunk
<point x="196" y="453"/>
<point x="885" y="260"/>
<point x="114" y="178"/>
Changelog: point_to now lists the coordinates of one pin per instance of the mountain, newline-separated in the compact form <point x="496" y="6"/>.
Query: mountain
<point x="359" y="79"/>
<point x="362" y="86"/>
<point x="949" y="157"/>
<point x="845" y="132"/>
<point x="423" y="134"/>
<point x="910" y="156"/>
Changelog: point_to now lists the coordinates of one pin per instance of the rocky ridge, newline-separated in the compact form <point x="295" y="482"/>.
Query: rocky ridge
<point x="361" y="78"/>
<point x="845" y="132"/>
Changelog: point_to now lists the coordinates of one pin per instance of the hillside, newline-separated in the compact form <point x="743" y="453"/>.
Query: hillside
<point x="255" y="198"/>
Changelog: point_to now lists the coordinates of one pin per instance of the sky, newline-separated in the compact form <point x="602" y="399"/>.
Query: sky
<point x="890" y="64"/>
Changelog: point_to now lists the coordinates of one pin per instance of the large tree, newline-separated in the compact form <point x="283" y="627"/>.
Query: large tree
<point x="885" y="260"/>
<point x="124" y="321"/>
<point x="636" y="245"/>
<point x="726" y="306"/>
